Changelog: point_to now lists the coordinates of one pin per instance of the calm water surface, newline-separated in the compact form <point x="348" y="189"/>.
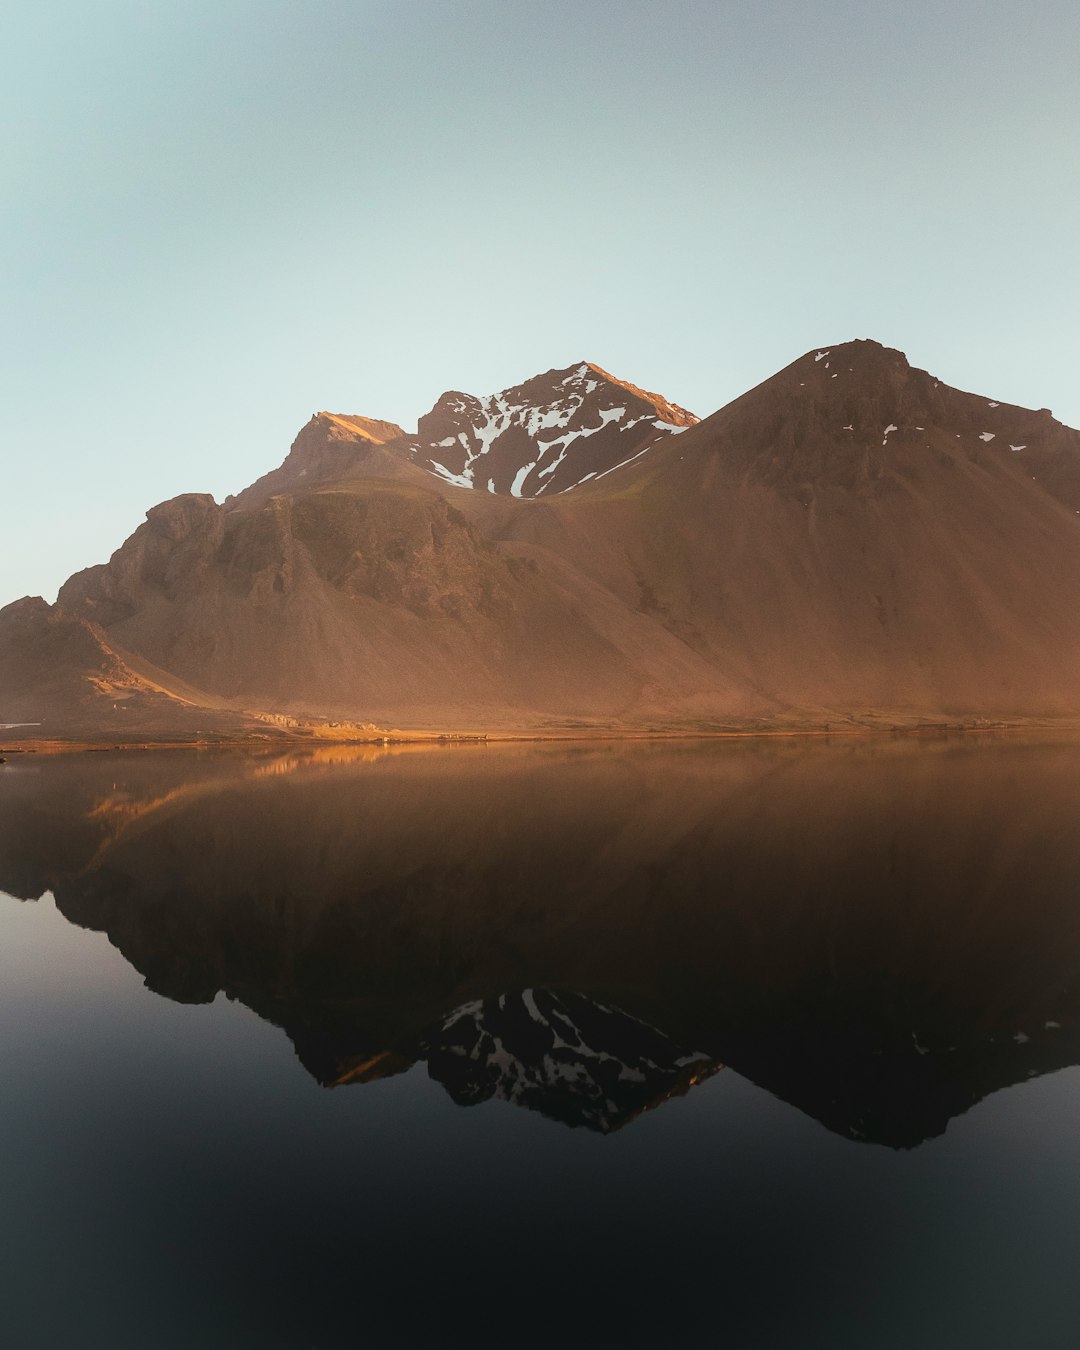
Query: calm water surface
<point x="749" y="1044"/>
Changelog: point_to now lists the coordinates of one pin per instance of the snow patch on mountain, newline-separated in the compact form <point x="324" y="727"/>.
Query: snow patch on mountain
<point x="550" y="434"/>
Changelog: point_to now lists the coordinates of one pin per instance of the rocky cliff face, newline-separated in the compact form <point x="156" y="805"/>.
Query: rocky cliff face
<point x="378" y="597"/>
<point x="164" y="559"/>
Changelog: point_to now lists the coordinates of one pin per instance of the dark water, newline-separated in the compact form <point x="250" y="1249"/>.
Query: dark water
<point x="753" y="1044"/>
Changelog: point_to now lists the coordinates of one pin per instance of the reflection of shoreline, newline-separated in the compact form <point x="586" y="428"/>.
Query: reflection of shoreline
<point x="880" y="933"/>
<point x="120" y="811"/>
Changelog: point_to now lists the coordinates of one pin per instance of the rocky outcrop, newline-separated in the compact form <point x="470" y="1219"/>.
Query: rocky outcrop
<point x="331" y="447"/>
<point x="163" y="559"/>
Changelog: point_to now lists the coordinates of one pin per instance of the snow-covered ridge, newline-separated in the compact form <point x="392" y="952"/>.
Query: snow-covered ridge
<point x="545" y="436"/>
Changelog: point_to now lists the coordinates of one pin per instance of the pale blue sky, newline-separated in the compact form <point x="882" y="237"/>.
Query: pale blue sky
<point x="218" y="217"/>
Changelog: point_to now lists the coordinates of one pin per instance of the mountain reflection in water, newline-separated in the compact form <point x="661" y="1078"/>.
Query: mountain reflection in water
<point x="878" y="932"/>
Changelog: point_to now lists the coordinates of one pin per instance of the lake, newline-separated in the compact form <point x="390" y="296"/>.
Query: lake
<point x="753" y="1043"/>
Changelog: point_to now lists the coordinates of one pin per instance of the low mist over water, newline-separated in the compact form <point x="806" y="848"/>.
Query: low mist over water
<point x="761" y="1042"/>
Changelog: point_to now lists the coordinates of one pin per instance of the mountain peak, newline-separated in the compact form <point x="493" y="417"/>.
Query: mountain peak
<point x="547" y="435"/>
<point x="861" y="361"/>
<point x="368" y="428"/>
<point x="328" y="447"/>
<point x="860" y="412"/>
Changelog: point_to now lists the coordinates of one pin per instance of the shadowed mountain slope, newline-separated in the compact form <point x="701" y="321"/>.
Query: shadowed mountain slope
<point x="52" y="661"/>
<point x="852" y="542"/>
<point x="378" y="598"/>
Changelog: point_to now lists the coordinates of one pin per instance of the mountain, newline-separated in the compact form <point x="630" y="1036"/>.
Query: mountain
<point x="331" y="446"/>
<point x="548" y="435"/>
<point x="852" y="543"/>
<point x="63" y="667"/>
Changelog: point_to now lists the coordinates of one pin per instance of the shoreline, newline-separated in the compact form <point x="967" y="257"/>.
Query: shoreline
<point x="526" y="736"/>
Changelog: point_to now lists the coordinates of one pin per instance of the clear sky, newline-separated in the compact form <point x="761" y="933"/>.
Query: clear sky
<point x="221" y="215"/>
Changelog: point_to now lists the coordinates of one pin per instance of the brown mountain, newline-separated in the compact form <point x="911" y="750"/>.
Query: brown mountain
<point x="852" y="542"/>
<point x="62" y="677"/>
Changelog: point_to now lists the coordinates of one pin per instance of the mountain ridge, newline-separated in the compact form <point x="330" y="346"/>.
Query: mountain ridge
<point x="850" y="543"/>
<point x="462" y="430"/>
